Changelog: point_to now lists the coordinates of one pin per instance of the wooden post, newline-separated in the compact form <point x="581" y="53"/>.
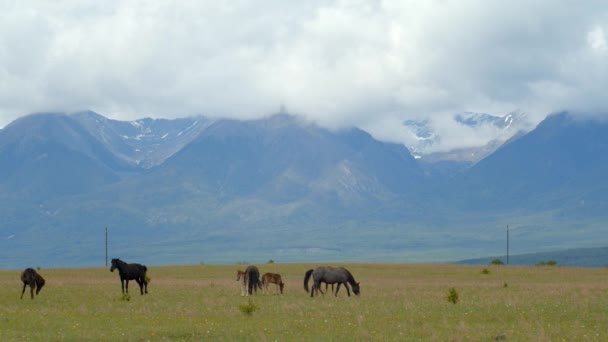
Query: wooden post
<point x="507" y="244"/>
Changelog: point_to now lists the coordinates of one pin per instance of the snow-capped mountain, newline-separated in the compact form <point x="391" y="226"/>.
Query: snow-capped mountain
<point x="484" y="134"/>
<point x="144" y="142"/>
<point x="289" y="186"/>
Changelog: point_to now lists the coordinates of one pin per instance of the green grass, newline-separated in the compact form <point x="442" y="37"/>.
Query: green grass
<point x="398" y="302"/>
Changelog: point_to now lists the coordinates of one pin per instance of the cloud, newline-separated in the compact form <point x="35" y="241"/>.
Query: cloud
<point x="370" y="64"/>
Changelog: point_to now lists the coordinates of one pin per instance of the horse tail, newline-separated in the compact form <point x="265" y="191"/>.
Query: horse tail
<point x="306" y="278"/>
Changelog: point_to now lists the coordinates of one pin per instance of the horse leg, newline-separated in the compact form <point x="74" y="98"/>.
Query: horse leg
<point x="347" y="290"/>
<point x="337" y="289"/>
<point x="316" y="286"/>
<point x="127" y="285"/>
<point x="141" y="285"/>
<point x="23" y="291"/>
<point x="319" y="289"/>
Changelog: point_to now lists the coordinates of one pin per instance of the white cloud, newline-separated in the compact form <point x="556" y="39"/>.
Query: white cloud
<point x="366" y="63"/>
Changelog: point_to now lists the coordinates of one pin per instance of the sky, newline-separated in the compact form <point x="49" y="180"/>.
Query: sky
<point x="370" y="64"/>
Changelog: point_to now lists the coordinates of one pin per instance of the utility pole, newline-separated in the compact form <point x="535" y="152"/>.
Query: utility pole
<point x="507" y="244"/>
<point x="106" y="246"/>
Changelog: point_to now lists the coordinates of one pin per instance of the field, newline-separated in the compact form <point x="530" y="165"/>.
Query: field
<point x="397" y="302"/>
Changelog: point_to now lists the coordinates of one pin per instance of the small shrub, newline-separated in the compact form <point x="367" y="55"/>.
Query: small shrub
<point x="38" y="268"/>
<point x="505" y="284"/>
<point x="546" y="263"/>
<point x="248" y="308"/>
<point x="496" y="262"/>
<point x="271" y="261"/>
<point x="485" y="271"/>
<point x="452" y="296"/>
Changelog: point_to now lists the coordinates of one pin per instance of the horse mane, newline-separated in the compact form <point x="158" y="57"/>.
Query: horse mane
<point x="351" y="280"/>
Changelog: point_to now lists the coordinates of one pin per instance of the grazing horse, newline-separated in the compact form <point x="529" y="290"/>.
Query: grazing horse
<point x="330" y="275"/>
<point x="128" y="272"/>
<point x="30" y="277"/>
<point x="273" y="278"/>
<point x="250" y="280"/>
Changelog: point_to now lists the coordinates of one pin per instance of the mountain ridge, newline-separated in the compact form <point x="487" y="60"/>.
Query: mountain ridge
<point x="285" y="189"/>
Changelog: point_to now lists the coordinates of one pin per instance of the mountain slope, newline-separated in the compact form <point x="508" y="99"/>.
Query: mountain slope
<point x="558" y="164"/>
<point x="281" y="158"/>
<point x="146" y="142"/>
<point x="285" y="189"/>
<point x="50" y="154"/>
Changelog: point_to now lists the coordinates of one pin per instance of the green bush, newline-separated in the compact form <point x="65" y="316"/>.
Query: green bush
<point x="271" y="261"/>
<point x="546" y="263"/>
<point x="248" y="308"/>
<point x="485" y="271"/>
<point x="496" y="262"/>
<point x="452" y="296"/>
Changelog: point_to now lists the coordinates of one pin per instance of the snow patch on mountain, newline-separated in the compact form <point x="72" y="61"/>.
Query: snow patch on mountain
<point x="478" y="135"/>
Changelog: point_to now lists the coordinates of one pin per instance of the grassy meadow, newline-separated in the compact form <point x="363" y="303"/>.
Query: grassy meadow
<point x="397" y="302"/>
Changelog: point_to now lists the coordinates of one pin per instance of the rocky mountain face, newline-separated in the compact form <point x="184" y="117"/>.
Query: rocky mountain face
<point x="283" y="188"/>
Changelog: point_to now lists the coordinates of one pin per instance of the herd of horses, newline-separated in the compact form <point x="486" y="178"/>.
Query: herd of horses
<point x="250" y="279"/>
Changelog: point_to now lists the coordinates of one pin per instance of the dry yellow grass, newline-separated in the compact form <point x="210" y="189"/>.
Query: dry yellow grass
<point x="398" y="302"/>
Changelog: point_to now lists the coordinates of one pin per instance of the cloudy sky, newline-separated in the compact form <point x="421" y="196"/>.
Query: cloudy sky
<point x="370" y="64"/>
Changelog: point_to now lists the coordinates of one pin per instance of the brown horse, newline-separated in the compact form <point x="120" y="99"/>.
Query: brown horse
<point x="250" y="280"/>
<point x="273" y="278"/>
<point x="30" y="277"/>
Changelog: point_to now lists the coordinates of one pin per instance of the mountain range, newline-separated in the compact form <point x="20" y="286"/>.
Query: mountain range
<point x="196" y="190"/>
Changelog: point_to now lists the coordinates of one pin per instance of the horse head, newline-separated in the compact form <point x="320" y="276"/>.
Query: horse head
<point x="39" y="284"/>
<point x="239" y="273"/>
<point x="356" y="289"/>
<point x="114" y="265"/>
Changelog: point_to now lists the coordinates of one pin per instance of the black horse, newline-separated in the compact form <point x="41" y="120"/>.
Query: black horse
<point x="128" y="272"/>
<point x="330" y="275"/>
<point x="35" y="281"/>
<point x="250" y="280"/>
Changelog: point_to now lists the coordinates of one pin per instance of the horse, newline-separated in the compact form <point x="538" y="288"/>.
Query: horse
<point x="30" y="277"/>
<point x="250" y="280"/>
<point x="273" y="278"/>
<point x="330" y="275"/>
<point x="128" y="272"/>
